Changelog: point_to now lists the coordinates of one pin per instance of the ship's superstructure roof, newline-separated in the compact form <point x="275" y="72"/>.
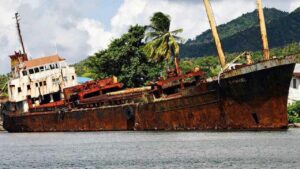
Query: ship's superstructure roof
<point x="42" y="61"/>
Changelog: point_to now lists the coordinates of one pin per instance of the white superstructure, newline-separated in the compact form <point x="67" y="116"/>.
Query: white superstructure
<point x="39" y="81"/>
<point x="294" y="92"/>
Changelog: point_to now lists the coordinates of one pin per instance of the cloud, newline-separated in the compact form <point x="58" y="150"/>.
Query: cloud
<point x="294" y="5"/>
<point x="47" y="25"/>
<point x="139" y="11"/>
<point x="129" y="13"/>
<point x="98" y="37"/>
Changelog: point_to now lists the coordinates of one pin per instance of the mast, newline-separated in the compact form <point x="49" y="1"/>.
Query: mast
<point x="19" y="31"/>
<point x="263" y="30"/>
<point x="215" y="34"/>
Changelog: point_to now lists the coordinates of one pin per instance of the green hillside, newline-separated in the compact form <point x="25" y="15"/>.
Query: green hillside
<point x="237" y="25"/>
<point x="283" y="28"/>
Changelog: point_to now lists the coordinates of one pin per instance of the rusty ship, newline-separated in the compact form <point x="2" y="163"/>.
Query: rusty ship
<point x="250" y="96"/>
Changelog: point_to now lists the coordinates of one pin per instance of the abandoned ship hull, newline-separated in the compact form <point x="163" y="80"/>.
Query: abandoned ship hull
<point x="249" y="98"/>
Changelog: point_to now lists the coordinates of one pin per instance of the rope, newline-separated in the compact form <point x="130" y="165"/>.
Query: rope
<point x="227" y="66"/>
<point x="219" y="77"/>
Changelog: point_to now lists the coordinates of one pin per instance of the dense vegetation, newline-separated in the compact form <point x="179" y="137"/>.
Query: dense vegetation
<point x="124" y="58"/>
<point x="283" y="28"/>
<point x="132" y="60"/>
<point x="208" y="64"/>
<point x="294" y="112"/>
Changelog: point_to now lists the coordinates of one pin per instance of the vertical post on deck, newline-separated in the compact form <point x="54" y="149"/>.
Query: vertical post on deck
<point x="215" y="34"/>
<point x="263" y="30"/>
<point x="17" y="17"/>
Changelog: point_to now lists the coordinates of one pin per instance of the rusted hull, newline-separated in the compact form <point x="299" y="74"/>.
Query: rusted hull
<point x="253" y="100"/>
<point x="80" y="120"/>
<point x="261" y="107"/>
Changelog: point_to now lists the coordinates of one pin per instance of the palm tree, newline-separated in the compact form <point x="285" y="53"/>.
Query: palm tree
<point x="161" y="42"/>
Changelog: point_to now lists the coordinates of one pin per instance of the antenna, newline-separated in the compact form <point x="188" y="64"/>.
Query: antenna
<point x="56" y="52"/>
<point x="17" y="17"/>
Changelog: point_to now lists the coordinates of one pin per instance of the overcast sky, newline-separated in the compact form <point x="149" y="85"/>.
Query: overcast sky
<point x="78" y="28"/>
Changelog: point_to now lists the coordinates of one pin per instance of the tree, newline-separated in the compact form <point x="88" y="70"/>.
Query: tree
<point x="125" y="58"/>
<point x="162" y="44"/>
<point x="294" y="112"/>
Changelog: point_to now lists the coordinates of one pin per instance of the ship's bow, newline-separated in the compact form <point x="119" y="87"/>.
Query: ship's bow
<point x="255" y="96"/>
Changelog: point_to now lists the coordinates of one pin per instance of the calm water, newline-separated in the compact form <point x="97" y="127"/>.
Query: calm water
<point x="151" y="150"/>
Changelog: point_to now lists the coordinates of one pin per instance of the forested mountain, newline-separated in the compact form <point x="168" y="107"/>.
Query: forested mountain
<point x="243" y="34"/>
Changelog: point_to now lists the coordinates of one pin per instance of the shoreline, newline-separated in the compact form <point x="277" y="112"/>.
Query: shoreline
<point x="294" y="125"/>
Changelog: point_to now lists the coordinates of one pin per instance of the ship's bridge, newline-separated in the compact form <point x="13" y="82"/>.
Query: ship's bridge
<point x="41" y="80"/>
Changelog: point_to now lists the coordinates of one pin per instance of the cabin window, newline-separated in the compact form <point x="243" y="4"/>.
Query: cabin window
<point x="31" y="71"/>
<point x="73" y="77"/>
<point x="41" y="84"/>
<point x="19" y="89"/>
<point x="24" y="73"/>
<point x="36" y="85"/>
<point x="52" y="67"/>
<point x="45" y="83"/>
<point x="42" y="68"/>
<point x="55" y="81"/>
<point x="28" y="87"/>
<point x="36" y="70"/>
<point x="295" y="83"/>
<point x="56" y="65"/>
